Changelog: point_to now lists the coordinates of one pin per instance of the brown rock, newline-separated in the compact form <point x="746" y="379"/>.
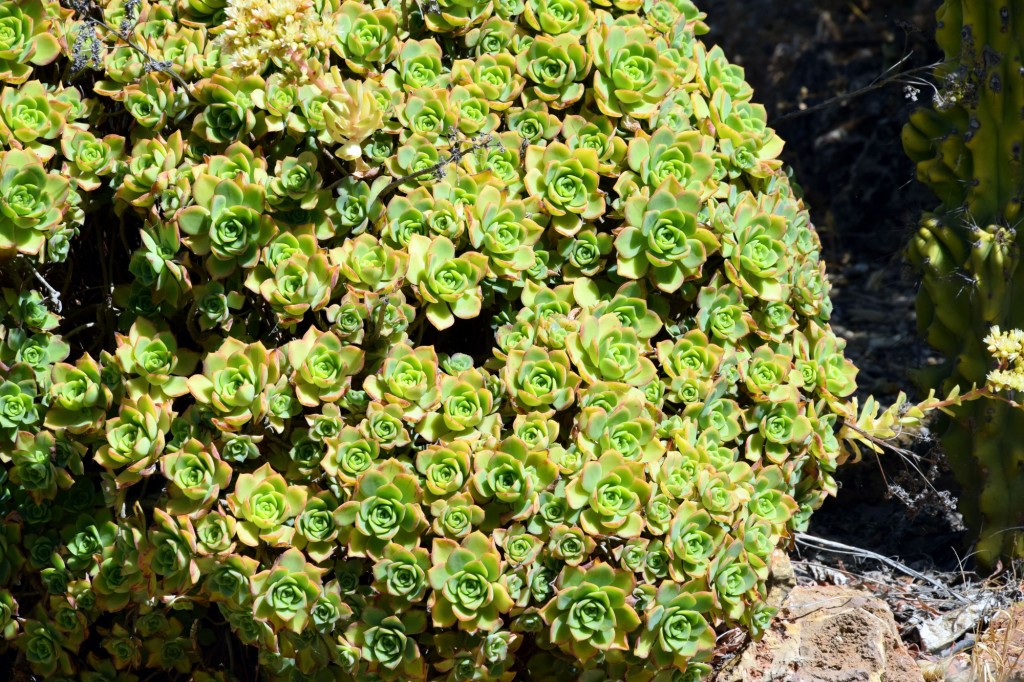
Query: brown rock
<point x="827" y="634"/>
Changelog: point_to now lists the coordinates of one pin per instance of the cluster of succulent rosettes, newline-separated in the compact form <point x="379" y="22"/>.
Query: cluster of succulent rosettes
<point x="300" y="439"/>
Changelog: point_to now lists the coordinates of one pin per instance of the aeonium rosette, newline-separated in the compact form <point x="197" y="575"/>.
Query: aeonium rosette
<point x="468" y="409"/>
<point x="294" y="275"/>
<point x="782" y="427"/>
<point x="383" y="424"/>
<point x="566" y="184"/>
<point x="663" y="239"/>
<point x="30" y="116"/>
<point x="323" y="366"/>
<point x="229" y="113"/>
<point x="555" y="67"/>
<point x="196" y="474"/>
<point x="41" y="643"/>
<point x="540" y="381"/>
<point x="351" y="113"/>
<point x="757" y="259"/>
<point x="33" y="469"/>
<point x="28" y="41"/>
<point x="456" y="516"/>
<point x="89" y="158"/>
<point x="448" y="285"/>
<point x="230" y="224"/>
<point x="606" y="350"/>
<point x="368" y="37"/>
<point x="365" y="263"/>
<point x="215" y="534"/>
<point x="349" y="454"/>
<point x="505" y="231"/>
<point x="402" y="572"/>
<point x="32" y="202"/>
<point x="627" y="429"/>
<point x="385" y="509"/>
<point x="611" y="491"/>
<point x="169" y="551"/>
<point x="234" y="380"/>
<point x="632" y="72"/>
<point x="389" y="640"/>
<point x="733" y="581"/>
<point x="555" y="17"/>
<point x="262" y="502"/>
<point x="409" y="379"/>
<point x="465" y="579"/>
<point x="152" y="159"/>
<point x="513" y="476"/>
<point x="287" y="591"/>
<point x="151" y="352"/>
<point x="676" y="630"/>
<point x="682" y="156"/>
<point x="79" y="398"/>
<point x="590" y="611"/>
<point x="18" y="408"/>
<point x="135" y="439"/>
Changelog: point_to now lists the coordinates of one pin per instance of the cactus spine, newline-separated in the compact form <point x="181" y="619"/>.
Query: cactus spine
<point x="968" y="150"/>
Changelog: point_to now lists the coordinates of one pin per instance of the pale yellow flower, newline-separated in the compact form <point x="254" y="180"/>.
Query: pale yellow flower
<point x="288" y="33"/>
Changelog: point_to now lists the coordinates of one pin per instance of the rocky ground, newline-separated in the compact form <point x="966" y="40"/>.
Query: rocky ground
<point x="824" y="71"/>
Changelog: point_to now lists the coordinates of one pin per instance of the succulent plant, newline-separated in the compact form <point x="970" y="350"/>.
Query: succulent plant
<point x="135" y="438"/>
<point x="262" y="501"/>
<point x="384" y="510"/>
<point x="287" y="591"/>
<point x="233" y="382"/>
<point x="448" y="286"/>
<point x="461" y="340"/>
<point x="389" y="642"/>
<point x="29" y="41"/>
<point x="611" y="491"/>
<point x="323" y="366"/>
<point x="465" y="580"/>
<point x="33" y="202"/>
<point x="590" y="612"/>
<point x="675" y="628"/>
<point x="565" y="182"/>
<point x="195" y="474"/>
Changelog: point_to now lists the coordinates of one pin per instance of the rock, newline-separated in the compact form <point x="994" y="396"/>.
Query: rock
<point x="827" y="634"/>
<point x="995" y="654"/>
<point x="939" y="632"/>
<point x="782" y="579"/>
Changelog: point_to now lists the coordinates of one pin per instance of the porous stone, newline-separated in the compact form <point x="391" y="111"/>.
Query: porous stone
<point x="827" y="634"/>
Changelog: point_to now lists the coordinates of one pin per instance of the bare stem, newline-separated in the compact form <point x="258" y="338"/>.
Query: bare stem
<point x="840" y="548"/>
<point x="54" y="294"/>
<point x="456" y="155"/>
<point x="871" y="87"/>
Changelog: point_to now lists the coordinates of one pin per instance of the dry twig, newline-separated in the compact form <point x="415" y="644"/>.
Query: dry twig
<point x="838" y="547"/>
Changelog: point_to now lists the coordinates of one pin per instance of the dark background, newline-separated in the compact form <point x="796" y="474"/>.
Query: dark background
<point x="847" y="156"/>
<point x="865" y="202"/>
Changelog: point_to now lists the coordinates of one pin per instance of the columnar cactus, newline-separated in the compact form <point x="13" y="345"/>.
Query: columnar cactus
<point x="968" y="149"/>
